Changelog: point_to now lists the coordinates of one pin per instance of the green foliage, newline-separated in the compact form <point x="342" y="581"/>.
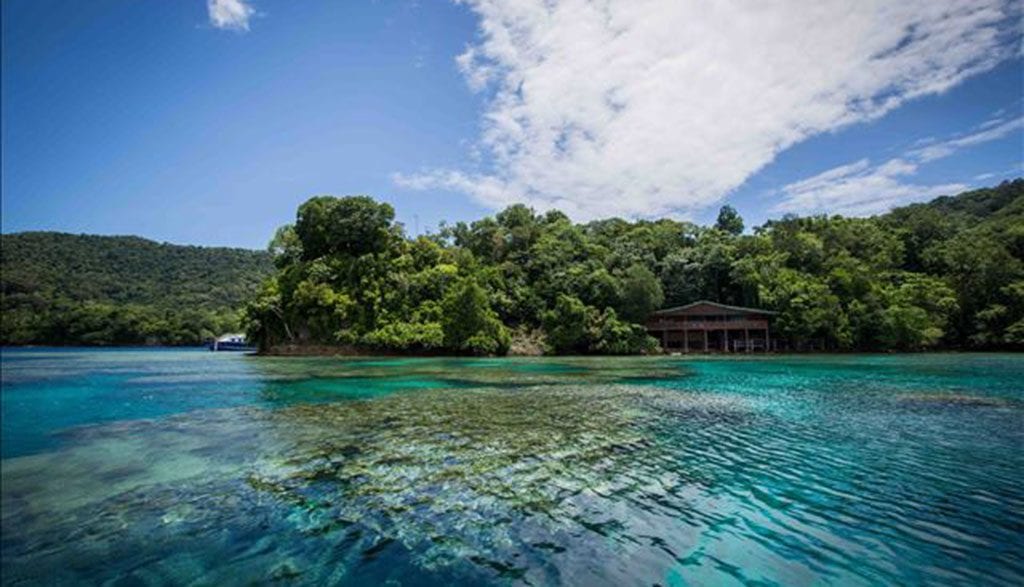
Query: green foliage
<point x="573" y="327"/>
<point x="945" y="274"/>
<point x="941" y="274"/>
<point x="65" y="289"/>
<point x="285" y="246"/>
<point x="612" y="336"/>
<point x="641" y="294"/>
<point x="405" y="336"/>
<point x="729" y="220"/>
<point x="353" y="225"/>
<point x="469" y="324"/>
<point x="568" y="325"/>
<point x="325" y="311"/>
<point x="907" y="327"/>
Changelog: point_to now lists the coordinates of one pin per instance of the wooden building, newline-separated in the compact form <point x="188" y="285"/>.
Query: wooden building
<point x="711" y="327"/>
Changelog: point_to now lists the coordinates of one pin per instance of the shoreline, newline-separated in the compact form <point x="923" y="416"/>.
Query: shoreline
<point x="332" y="351"/>
<point x="347" y="351"/>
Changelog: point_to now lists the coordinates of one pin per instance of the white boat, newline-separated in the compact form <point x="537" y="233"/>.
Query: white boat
<point x="231" y="342"/>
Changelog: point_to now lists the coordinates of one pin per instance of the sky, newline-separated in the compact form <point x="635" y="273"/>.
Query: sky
<point x="209" y="121"/>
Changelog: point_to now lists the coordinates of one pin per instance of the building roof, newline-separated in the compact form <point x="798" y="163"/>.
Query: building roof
<point x="685" y="307"/>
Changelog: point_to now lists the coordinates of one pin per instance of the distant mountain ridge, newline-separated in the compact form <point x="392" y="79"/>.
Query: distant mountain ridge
<point x="60" y="288"/>
<point x="981" y="203"/>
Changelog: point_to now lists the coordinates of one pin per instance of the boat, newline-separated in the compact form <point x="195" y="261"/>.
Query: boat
<point x="231" y="342"/>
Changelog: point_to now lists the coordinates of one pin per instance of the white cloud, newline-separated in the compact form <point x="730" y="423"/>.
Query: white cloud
<point x="860" y="189"/>
<point x="230" y="14"/>
<point x="650" y="107"/>
<point x="987" y="131"/>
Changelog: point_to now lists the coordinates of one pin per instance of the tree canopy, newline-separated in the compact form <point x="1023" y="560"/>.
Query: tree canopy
<point x="944" y="274"/>
<point x="68" y="289"/>
<point x="729" y="220"/>
<point x="343" y="226"/>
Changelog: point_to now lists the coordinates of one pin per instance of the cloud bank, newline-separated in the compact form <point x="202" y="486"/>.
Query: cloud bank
<point x="861" y="189"/>
<point x="650" y="107"/>
<point x="230" y="14"/>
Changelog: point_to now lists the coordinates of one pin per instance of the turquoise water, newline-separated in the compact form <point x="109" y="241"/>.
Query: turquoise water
<point x="138" y="467"/>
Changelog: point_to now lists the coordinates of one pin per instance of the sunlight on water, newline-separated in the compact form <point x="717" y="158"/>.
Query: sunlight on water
<point x="157" y="467"/>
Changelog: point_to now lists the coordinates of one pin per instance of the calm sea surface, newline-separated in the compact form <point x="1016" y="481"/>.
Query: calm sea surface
<point x="159" y="467"/>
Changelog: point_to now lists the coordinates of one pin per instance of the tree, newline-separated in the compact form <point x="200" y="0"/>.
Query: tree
<point x="67" y="289"/>
<point x="353" y="225"/>
<point x="907" y="328"/>
<point x="405" y="336"/>
<point x="729" y="220"/>
<point x="809" y="312"/>
<point x="469" y="324"/>
<point x="641" y="294"/>
<point x="285" y="246"/>
<point x="949" y="272"/>
<point x="612" y="336"/>
<point x="978" y="267"/>
<point x="576" y="328"/>
<point x="567" y="325"/>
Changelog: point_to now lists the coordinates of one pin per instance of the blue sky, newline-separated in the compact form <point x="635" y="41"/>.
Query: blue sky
<point x="208" y="123"/>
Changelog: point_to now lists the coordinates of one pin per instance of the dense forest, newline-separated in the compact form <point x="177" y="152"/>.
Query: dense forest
<point x="67" y="289"/>
<point x="946" y="274"/>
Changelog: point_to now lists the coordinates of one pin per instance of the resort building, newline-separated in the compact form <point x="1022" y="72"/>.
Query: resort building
<point x="711" y="327"/>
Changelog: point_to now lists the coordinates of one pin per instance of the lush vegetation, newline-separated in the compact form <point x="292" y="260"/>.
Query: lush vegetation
<point x="949" y="273"/>
<point x="69" y="289"/>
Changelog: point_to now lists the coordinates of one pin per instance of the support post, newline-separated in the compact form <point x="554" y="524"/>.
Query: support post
<point x="726" y="334"/>
<point x="664" y="340"/>
<point x="686" y="340"/>
<point x="746" y="339"/>
<point x="705" y="340"/>
<point x="767" y="339"/>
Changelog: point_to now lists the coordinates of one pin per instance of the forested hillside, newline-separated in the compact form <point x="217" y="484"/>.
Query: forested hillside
<point x="81" y="289"/>
<point x="949" y="274"/>
<point x="945" y="274"/>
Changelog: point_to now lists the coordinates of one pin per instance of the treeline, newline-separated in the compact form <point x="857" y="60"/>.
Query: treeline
<point x="65" y="289"/>
<point x="949" y="273"/>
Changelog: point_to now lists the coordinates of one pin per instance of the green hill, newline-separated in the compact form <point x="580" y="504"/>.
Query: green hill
<point x="945" y="274"/>
<point x="976" y="205"/>
<point x="83" y="289"/>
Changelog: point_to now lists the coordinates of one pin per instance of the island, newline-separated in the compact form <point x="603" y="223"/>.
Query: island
<point x="948" y="274"/>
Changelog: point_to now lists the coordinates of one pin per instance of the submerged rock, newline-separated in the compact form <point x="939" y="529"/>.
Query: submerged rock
<point x="486" y="475"/>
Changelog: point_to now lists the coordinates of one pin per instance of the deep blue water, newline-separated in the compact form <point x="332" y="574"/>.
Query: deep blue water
<point x="169" y="466"/>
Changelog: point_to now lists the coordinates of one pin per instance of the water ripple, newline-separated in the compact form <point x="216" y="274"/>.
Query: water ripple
<point x="611" y="482"/>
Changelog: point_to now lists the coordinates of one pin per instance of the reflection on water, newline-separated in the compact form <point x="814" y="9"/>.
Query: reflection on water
<point x="807" y="470"/>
